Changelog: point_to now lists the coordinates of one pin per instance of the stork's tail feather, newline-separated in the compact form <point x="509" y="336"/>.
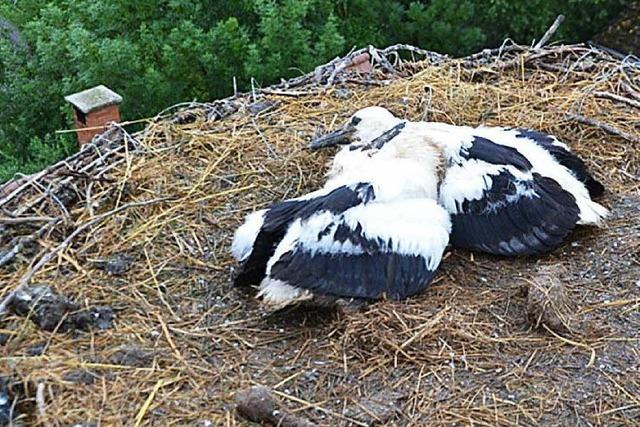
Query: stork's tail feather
<point x="278" y="294"/>
<point x="592" y="213"/>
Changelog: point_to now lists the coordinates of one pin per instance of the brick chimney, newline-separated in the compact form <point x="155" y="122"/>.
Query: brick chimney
<point x="93" y="109"/>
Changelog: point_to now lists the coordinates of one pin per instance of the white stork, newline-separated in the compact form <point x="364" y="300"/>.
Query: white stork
<point x="374" y="230"/>
<point x="509" y="191"/>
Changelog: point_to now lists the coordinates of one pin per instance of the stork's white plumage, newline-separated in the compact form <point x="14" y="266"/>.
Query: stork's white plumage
<point x="374" y="230"/>
<point x="509" y="191"/>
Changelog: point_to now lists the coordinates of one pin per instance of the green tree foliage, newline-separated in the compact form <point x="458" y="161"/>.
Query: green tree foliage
<point x="160" y="52"/>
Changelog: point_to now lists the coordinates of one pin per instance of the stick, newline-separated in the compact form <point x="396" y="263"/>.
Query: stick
<point x="130" y="122"/>
<point x="289" y="92"/>
<point x="550" y="32"/>
<point x="23" y="219"/>
<point x="147" y="403"/>
<point x="619" y="98"/>
<point x="433" y="56"/>
<point x="24" y="280"/>
<point x="342" y="65"/>
<point x="379" y="57"/>
<point x="631" y="91"/>
<point x="40" y="401"/>
<point x="605" y="127"/>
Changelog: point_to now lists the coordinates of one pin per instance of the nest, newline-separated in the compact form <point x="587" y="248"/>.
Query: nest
<point x="142" y="224"/>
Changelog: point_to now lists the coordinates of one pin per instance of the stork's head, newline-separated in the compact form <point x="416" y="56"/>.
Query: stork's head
<point x="362" y="128"/>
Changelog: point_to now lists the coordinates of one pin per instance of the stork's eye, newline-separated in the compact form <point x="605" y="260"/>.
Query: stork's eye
<point x="354" y="121"/>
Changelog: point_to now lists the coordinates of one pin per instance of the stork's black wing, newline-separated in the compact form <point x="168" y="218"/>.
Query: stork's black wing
<point x="565" y="157"/>
<point x="503" y="211"/>
<point x="381" y="249"/>
<point x="277" y="218"/>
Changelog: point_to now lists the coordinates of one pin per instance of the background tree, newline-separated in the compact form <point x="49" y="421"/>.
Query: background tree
<point x="159" y="52"/>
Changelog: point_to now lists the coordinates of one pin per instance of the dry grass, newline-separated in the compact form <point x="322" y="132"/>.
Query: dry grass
<point x="463" y="352"/>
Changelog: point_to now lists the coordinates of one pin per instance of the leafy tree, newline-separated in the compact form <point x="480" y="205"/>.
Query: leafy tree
<point x="160" y="52"/>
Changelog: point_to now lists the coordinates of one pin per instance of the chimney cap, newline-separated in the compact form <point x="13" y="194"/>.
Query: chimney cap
<point x="93" y="99"/>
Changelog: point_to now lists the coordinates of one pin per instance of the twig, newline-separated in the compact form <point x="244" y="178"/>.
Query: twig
<point x="24" y="280"/>
<point x="317" y="407"/>
<point x="272" y="152"/>
<point x="379" y="57"/>
<point x="130" y="122"/>
<point x="294" y="93"/>
<point x="619" y="98"/>
<point x="492" y="54"/>
<point x="550" y="32"/>
<point x="631" y="91"/>
<point x="341" y="66"/>
<point x="592" y="357"/>
<point x="605" y="127"/>
<point x="25" y="219"/>
<point x="48" y="193"/>
<point x="147" y="403"/>
<point x="40" y="402"/>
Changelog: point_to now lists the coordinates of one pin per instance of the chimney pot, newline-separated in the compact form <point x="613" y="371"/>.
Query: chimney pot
<point x="93" y="109"/>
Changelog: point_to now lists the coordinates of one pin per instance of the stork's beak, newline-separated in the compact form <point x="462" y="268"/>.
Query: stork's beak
<point x="343" y="136"/>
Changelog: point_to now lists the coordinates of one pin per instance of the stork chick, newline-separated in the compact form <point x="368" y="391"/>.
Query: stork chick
<point x="375" y="230"/>
<point x="509" y="191"/>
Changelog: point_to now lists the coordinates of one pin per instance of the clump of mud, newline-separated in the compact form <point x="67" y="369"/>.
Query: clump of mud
<point x="132" y="355"/>
<point x="549" y="304"/>
<point x="257" y="404"/>
<point x="51" y="311"/>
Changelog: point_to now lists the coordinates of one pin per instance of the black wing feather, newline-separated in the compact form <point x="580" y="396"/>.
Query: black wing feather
<point x="371" y="265"/>
<point x="368" y="276"/>
<point x="488" y="151"/>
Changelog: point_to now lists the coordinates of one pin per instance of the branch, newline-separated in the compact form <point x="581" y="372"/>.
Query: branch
<point x="435" y="56"/>
<point x="603" y="126"/>
<point x="25" y="219"/>
<point x="550" y="32"/>
<point x="619" y="98"/>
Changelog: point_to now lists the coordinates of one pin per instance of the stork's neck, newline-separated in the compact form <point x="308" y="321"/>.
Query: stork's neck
<point x="419" y="144"/>
<point x="450" y="139"/>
